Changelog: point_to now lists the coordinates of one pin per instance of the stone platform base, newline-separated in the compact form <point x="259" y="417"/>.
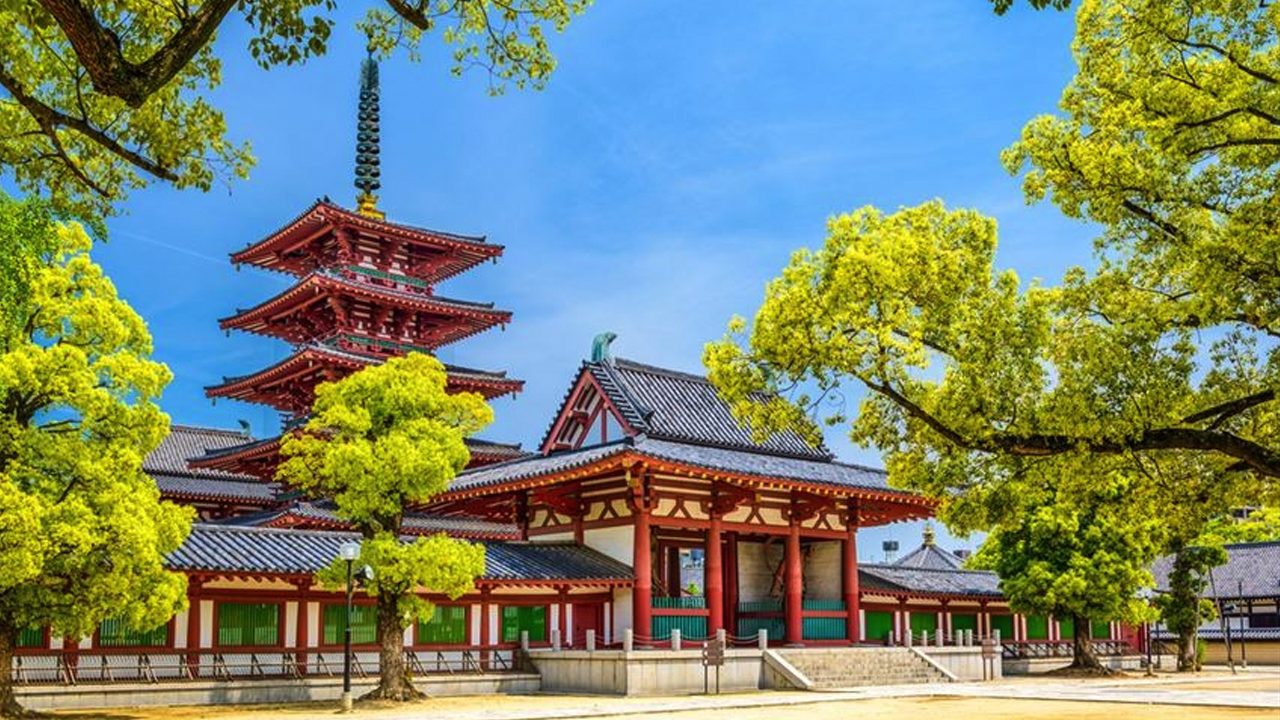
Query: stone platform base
<point x="643" y="672"/>
<point x="214" y="692"/>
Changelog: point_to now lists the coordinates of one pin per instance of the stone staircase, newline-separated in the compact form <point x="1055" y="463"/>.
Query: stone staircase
<point x="854" y="667"/>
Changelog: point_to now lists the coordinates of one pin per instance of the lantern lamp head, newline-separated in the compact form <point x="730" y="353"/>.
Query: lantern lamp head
<point x="349" y="551"/>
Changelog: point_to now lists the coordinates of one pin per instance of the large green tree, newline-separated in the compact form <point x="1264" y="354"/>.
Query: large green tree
<point x="98" y="98"/>
<point x="1070" y="542"/>
<point x="378" y="441"/>
<point x="83" y="532"/>
<point x="1163" y="353"/>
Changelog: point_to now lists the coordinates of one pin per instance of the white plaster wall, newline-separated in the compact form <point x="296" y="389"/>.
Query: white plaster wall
<point x="622" y="601"/>
<point x="559" y="537"/>
<point x="179" y="629"/>
<point x="822" y="571"/>
<point x="290" y="624"/>
<point x="206" y="623"/>
<point x="494" y="625"/>
<point x="313" y="624"/>
<point x="755" y="570"/>
<point x="474" y="631"/>
<point x="613" y="541"/>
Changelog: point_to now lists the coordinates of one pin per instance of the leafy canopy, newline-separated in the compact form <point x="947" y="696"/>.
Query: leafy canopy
<point x="1072" y="544"/>
<point x="83" y="531"/>
<point x="102" y="98"/>
<point x="1169" y="141"/>
<point x="378" y="441"/>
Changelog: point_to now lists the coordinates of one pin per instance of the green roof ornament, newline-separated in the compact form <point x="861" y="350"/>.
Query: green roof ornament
<point x="600" y="347"/>
<point x="368" y="130"/>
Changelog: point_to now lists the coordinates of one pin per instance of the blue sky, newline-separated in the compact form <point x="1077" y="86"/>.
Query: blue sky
<point x="681" y="152"/>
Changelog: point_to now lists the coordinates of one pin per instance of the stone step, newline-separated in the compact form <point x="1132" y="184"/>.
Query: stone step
<point x="857" y="667"/>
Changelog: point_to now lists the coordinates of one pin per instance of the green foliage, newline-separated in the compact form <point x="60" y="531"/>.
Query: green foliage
<point x="1262" y="525"/>
<point x="1024" y="406"/>
<point x="105" y="98"/>
<point x="83" y="532"/>
<point x="1182" y="609"/>
<point x="1002" y="6"/>
<point x="438" y="563"/>
<point x="27" y="239"/>
<point x="1068" y="545"/>
<point x="383" y="438"/>
<point x="378" y="441"/>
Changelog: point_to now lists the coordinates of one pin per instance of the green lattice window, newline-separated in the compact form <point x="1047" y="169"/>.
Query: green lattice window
<point x="364" y="624"/>
<point x="114" y="632"/>
<point x="31" y="638"/>
<point x="1037" y="627"/>
<point x="879" y="625"/>
<point x="248" y="624"/>
<point x="924" y="622"/>
<point x="964" y="621"/>
<point x="1101" y="630"/>
<point x="1066" y="628"/>
<point x="516" y="618"/>
<point x="1003" y="623"/>
<point x="447" y="626"/>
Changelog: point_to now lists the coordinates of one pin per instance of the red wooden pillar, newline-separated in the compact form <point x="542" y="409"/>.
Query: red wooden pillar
<point x="794" y="587"/>
<point x="731" y="582"/>
<point x="300" y="632"/>
<point x="713" y="578"/>
<point x="193" y="626"/>
<point x="642" y="564"/>
<point x="485" y="640"/>
<point x="850" y="585"/>
<point x="563" y="597"/>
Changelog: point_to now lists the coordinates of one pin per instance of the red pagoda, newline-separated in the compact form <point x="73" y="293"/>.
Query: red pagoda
<point x="365" y="292"/>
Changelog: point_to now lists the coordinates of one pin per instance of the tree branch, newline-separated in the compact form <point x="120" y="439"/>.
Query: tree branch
<point x="102" y="54"/>
<point x="48" y="116"/>
<point x="1251" y="455"/>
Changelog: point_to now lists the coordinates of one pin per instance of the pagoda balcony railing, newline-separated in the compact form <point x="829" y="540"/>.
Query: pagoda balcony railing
<point x="157" y="665"/>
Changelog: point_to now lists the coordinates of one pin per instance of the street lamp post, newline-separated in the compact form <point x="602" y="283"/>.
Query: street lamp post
<point x="349" y="551"/>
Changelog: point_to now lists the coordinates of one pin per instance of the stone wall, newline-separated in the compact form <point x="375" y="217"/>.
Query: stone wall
<point x="964" y="662"/>
<point x="646" y="672"/>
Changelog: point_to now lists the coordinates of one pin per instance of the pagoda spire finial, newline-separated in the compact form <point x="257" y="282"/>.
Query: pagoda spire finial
<point x="368" y="130"/>
<point x="928" y="534"/>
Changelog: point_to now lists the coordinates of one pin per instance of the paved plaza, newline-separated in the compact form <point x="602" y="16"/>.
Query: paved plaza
<point x="1215" y="694"/>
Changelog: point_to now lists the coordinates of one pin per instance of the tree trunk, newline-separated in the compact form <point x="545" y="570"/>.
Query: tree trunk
<point x="9" y="707"/>
<point x="393" y="681"/>
<point x="1187" y="660"/>
<point x="1082" y="657"/>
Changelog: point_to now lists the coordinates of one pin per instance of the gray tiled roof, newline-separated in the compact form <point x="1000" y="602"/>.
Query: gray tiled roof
<point x="711" y="458"/>
<point x="1252" y="571"/>
<point x="249" y="550"/>
<point x="1215" y="633"/>
<point x="322" y="511"/>
<point x="930" y="557"/>
<point x="921" y="580"/>
<point x="185" y="442"/>
<point x="674" y="405"/>
<point x="189" y="488"/>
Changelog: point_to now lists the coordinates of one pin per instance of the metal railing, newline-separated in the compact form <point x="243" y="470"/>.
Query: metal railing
<point x="74" y="667"/>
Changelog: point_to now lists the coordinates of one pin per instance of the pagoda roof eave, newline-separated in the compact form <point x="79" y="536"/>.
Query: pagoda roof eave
<point x="249" y="387"/>
<point x="325" y="213"/>
<point x="319" y="282"/>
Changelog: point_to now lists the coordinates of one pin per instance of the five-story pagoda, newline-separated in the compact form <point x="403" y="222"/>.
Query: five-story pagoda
<point x="365" y="292"/>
